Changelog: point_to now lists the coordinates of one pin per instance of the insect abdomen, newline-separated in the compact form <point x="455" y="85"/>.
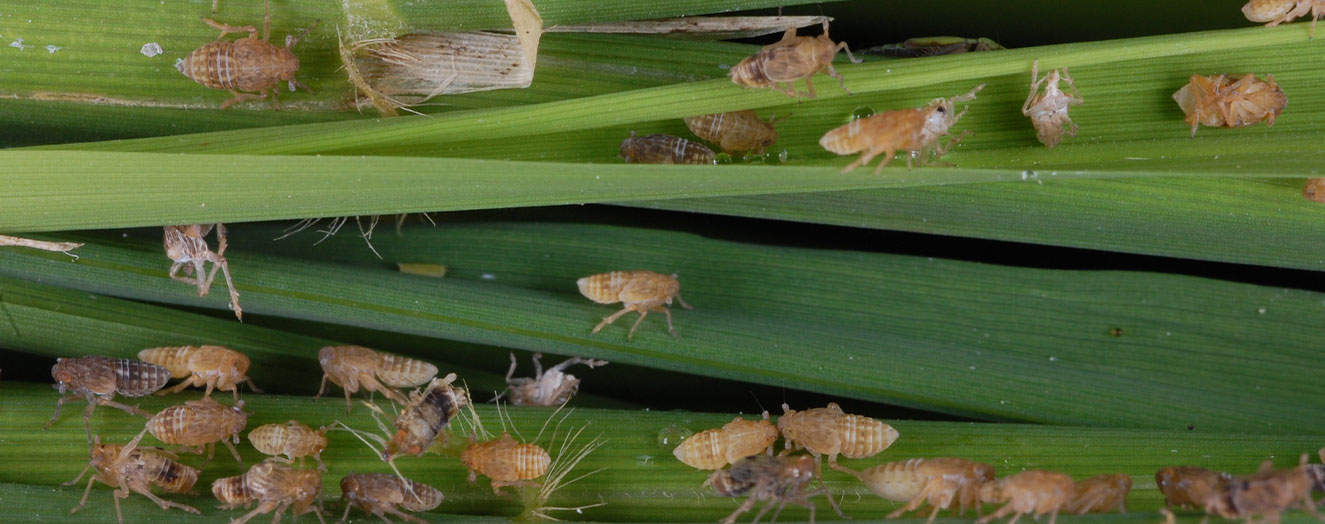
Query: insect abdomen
<point x="175" y="359"/>
<point x="750" y="72"/>
<point x="604" y="288"/>
<point x="174" y="477"/>
<point x="212" y="65"/>
<point x="232" y="491"/>
<point x="704" y="450"/>
<point x="844" y="140"/>
<point x="404" y="372"/>
<point x="665" y="149"/>
<point x="896" y="481"/>
<point x="863" y="436"/>
<point x="420" y="496"/>
<point x="135" y="378"/>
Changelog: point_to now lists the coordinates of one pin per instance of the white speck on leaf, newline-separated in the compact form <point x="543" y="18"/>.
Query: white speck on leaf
<point x="150" y="49"/>
<point x="18" y="43"/>
<point x="52" y="48"/>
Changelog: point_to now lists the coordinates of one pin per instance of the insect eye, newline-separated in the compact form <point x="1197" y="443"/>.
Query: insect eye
<point x="941" y="109"/>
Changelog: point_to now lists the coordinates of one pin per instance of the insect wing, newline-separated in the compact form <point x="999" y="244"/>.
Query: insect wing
<point x="787" y="61"/>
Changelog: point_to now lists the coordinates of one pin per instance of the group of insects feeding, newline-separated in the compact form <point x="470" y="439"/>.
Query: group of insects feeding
<point x="281" y="482"/>
<point x="947" y="483"/>
<point x="1219" y="100"/>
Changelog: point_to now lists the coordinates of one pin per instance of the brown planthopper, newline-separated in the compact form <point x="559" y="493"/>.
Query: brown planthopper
<point x="506" y="461"/>
<point x="1314" y="190"/>
<point x="275" y="487"/>
<point x="97" y="379"/>
<point x="423" y="418"/>
<point x="735" y="440"/>
<point x="780" y="480"/>
<point x="1188" y="487"/>
<point x="937" y="481"/>
<point x="781" y="64"/>
<point x="355" y="367"/>
<point x="1276" y="12"/>
<point x="215" y="367"/>
<point x="381" y="494"/>
<point x="199" y="423"/>
<point x="640" y="291"/>
<point x="735" y="132"/>
<point x="244" y="66"/>
<point x="1220" y="101"/>
<point x="1048" y="110"/>
<point x="916" y="131"/>
<point x="664" y="149"/>
<point x="1266" y="494"/>
<point x="129" y="468"/>
<point x="1101" y="493"/>
<point x="547" y="388"/>
<point x="292" y="439"/>
<point x="186" y="247"/>
<point x="829" y="431"/>
<point x="1033" y="491"/>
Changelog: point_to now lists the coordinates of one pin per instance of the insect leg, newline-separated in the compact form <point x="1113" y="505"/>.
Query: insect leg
<point x="348" y="504"/>
<point x="668" y="312"/>
<point x="58" y="405"/>
<point x="124" y="407"/>
<point x="610" y="319"/>
<point x="370" y="383"/>
<point x="842" y="46"/>
<point x="1035" y="87"/>
<point x="865" y="158"/>
<point x="234" y="295"/>
<point x="322" y="388"/>
<point x="1052" y="516"/>
<point x="683" y="304"/>
<point x="400" y="514"/>
<point x="887" y="158"/>
<point x="809" y="86"/>
<point x="251" y="385"/>
<point x="642" y="313"/>
<point x="174" y="274"/>
<point x="80" y="477"/>
<point x="118" y="494"/>
<point x="831" y="503"/>
<point x="749" y="503"/>
<point x="227" y="28"/>
<point x="1076" y="95"/>
<point x="763" y="510"/>
<point x="86" y="492"/>
<point x="234" y="452"/>
<point x="240" y="97"/>
<point x="1002" y="512"/>
<point x="511" y="372"/>
<point x="841" y="80"/>
<point x="165" y="504"/>
<point x="264" y="507"/>
<point x="178" y="387"/>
